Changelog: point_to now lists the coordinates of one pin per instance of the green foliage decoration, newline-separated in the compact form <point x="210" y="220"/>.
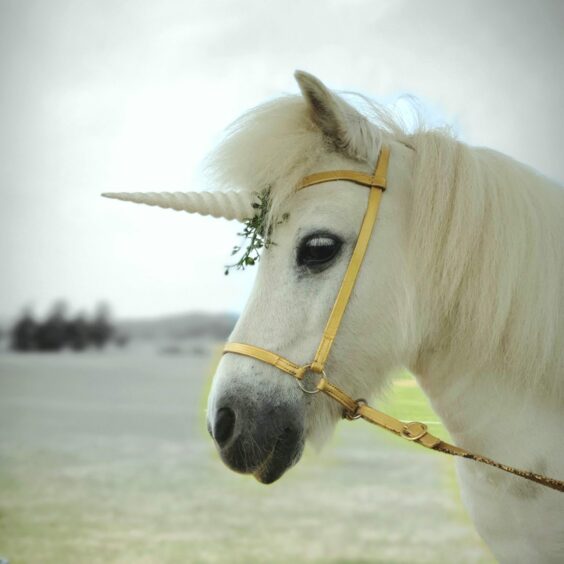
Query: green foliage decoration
<point x="257" y="234"/>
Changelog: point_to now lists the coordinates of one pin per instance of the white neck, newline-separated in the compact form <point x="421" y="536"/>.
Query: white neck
<point x="486" y="412"/>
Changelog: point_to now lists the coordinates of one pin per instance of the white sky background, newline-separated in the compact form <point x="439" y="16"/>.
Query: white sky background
<point x="102" y="95"/>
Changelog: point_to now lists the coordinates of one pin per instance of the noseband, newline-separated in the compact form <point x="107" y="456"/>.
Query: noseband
<point x="355" y="409"/>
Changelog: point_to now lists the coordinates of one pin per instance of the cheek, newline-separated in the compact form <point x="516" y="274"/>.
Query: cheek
<point x="377" y="330"/>
<point x="286" y="312"/>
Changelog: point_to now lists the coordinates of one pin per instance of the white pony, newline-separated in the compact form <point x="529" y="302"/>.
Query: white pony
<point x="463" y="284"/>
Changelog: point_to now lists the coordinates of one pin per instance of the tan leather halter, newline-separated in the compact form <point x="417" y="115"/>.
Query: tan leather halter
<point x="355" y="409"/>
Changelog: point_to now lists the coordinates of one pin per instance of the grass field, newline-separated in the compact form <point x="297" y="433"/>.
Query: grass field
<point x="105" y="459"/>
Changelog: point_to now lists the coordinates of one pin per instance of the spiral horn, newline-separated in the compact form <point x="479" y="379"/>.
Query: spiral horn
<point x="229" y="204"/>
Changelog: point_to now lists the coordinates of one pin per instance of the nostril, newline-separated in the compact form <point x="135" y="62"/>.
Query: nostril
<point x="224" y="425"/>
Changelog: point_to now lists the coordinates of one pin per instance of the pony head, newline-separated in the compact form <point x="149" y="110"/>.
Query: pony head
<point x="260" y="418"/>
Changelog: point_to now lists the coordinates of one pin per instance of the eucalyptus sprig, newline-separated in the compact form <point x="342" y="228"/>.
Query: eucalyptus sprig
<point x="256" y="232"/>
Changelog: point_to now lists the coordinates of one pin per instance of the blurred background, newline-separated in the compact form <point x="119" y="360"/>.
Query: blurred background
<point x="112" y="315"/>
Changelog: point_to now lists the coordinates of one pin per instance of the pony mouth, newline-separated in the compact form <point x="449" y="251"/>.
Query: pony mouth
<point x="285" y="453"/>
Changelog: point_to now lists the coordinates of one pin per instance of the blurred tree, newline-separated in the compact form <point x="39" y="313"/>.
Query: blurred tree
<point x="24" y="332"/>
<point x="101" y="328"/>
<point x="78" y="332"/>
<point x="52" y="333"/>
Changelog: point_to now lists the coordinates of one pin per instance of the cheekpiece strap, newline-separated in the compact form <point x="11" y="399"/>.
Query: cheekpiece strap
<point x="377" y="183"/>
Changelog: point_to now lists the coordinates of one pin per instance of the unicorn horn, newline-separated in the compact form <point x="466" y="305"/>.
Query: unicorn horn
<point x="228" y="204"/>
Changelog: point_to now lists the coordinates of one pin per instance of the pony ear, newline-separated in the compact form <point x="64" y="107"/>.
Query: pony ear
<point x="343" y="126"/>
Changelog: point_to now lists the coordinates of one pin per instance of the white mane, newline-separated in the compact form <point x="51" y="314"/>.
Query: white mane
<point x="486" y="260"/>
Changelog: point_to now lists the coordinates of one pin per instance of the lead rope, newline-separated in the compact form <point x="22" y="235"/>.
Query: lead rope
<point x="359" y="409"/>
<point x="418" y="432"/>
<point x="413" y="431"/>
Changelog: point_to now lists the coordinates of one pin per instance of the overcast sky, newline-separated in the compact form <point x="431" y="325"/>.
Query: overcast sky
<point x="103" y="95"/>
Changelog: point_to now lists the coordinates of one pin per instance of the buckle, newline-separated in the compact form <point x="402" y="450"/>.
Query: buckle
<point x="413" y="430"/>
<point x="353" y="415"/>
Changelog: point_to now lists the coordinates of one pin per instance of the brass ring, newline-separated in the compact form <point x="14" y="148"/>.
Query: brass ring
<point x="352" y="416"/>
<point x="316" y="389"/>
<point x="413" y="435"/>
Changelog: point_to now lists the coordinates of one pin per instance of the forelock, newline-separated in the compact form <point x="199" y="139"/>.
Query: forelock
<point x="275" y="144"/>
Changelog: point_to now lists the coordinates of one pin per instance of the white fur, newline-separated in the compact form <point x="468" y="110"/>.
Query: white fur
<point x="463" y="283"/>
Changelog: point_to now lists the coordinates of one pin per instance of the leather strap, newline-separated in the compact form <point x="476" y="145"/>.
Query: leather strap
<point x="377" y="180"/>
<point x="377" y="183"/>
<point x="350" y="175"/>
<point x="357" y="409"/>
<point x="268" y="357"/>
<point x="340" y="305"/>
<point x="413" y="431"/>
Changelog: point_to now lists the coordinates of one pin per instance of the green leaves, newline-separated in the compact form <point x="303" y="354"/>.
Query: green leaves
<point x="256" y="233"/>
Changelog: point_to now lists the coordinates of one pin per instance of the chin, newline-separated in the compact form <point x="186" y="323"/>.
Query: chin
<point x="286" y="453"/>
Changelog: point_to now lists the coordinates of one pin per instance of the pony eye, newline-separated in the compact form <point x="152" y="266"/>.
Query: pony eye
<point x="317" y="250"/>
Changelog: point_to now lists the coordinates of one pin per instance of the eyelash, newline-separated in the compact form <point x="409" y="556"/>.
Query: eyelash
<point x="320" y="242"/>
<point x="308" y="255"/>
